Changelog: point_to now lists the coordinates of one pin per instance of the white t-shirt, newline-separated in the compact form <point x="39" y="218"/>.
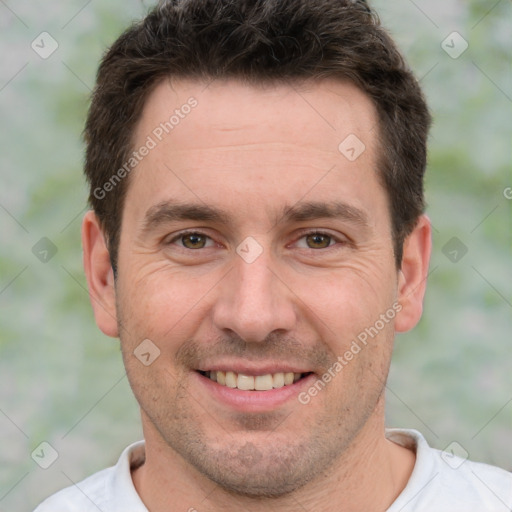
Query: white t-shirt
<point x="440" y="482"/>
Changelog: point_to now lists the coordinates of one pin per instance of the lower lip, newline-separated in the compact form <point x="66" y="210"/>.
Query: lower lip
<point x="254" y="401"/>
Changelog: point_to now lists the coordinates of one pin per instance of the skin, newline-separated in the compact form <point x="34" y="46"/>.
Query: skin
<point x="253" y="151"/>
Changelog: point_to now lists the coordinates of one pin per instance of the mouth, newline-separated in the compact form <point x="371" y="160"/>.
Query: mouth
<point x="267" y="382"/>
<point x="247" y="389"/>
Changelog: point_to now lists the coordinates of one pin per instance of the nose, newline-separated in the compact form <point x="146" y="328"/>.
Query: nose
<point x="254" y="300"/>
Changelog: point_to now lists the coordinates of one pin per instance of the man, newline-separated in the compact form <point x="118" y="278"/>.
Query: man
<point x="256" y="240"/>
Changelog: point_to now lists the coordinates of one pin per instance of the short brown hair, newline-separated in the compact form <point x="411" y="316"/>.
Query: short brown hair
<point x="258" y="41"/>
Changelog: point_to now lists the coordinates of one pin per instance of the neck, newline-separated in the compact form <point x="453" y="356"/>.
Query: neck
<point x="369" y="475"/>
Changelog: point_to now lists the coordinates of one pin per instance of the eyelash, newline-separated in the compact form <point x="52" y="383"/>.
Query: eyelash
<point x="302" y="235"/>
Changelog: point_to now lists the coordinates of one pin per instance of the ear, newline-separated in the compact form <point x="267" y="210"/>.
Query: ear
<point x="100" y="276"/>
<point x="412" y="277"/>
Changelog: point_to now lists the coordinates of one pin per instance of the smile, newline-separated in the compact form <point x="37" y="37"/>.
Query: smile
<point x="253" y="382"/>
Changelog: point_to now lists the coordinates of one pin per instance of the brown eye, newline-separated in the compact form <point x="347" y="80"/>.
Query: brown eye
<point x="193" y="240"/>
<point x="318" y="241"/>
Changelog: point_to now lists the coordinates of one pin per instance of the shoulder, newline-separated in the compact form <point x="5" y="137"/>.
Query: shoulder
<point x="108" y="490"/>
<point x="483" y="485"/>
<point x="88" y="495"/>
<point x="447" y="482"/>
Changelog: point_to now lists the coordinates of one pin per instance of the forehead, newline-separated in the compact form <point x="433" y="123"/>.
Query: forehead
<point x="267" y="142"/>
<point x="316" y="114"/>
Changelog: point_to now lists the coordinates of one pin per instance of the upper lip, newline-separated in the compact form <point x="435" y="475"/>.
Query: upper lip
<point x="254" y="369"/>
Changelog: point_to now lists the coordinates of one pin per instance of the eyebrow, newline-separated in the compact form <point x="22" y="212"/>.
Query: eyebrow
<point x="312" y="210"/>
<point x="172" y="211"/>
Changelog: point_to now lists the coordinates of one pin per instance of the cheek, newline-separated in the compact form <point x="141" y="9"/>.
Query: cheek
<point x="161" y="304"/>
<point x="346" y="301"/>
<point x="346" y="312"/>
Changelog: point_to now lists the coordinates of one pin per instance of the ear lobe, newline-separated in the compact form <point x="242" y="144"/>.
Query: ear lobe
<point x="412" y="278"/>
<point x="99" y="274"/>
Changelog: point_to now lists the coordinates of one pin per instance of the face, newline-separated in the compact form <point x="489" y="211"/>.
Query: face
<point x="256" y="253"/>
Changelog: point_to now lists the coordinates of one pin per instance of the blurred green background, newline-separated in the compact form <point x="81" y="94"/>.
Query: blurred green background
<point x="63" y="381"/>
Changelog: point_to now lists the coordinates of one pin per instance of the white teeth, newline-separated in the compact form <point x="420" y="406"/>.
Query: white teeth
<point x="278" y="380"/>
<point x="250" y="383"/>
<point x="221" y="377"/>
<point x="231" y="380"/>
<point x="263" y="382"/>
<point x="245" y="382"/>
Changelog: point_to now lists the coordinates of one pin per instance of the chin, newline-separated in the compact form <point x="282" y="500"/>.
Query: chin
<point x="267" y="478"/>
<point x="259" y="468"/>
